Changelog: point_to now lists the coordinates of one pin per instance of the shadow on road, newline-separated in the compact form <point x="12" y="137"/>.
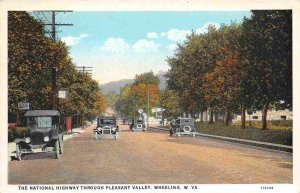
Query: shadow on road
<point x="34" y="156"/>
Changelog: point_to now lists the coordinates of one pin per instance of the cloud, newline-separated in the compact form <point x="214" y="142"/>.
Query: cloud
<point x="115" y="45"/>
<point x="152" y="35"/>
<point x="73" y="40"/>
<point x="145" y="46"/>
<point x="204" y="28"/>
<point x="176" y="35"/>
<point x="172" y="47"/>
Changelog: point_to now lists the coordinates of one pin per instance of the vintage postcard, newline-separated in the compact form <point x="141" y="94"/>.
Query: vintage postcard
<point x="185" y="96"/>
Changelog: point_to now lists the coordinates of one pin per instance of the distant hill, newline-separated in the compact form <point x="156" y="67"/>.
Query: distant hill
<point x="115" y="86"/>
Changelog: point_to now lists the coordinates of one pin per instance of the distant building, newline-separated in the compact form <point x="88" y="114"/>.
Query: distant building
<point x="271" y="115"/>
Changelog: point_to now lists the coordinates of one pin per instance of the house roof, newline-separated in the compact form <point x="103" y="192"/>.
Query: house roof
<point x="33" y="113"/>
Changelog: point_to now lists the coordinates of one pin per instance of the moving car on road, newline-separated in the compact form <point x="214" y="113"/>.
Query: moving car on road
<point x="126" y="121"/>
<point x="44" y="134"/>
<point x="138" y="125"/>
<point x="107" y="127"/>
<point x="183" y="126"/>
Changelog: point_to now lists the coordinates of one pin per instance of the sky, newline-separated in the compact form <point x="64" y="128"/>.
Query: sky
<point x="119" y="45"/>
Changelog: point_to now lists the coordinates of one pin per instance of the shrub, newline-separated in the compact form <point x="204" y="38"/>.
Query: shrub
<point x="278" y="136"/>
<point x="18" y="132"/>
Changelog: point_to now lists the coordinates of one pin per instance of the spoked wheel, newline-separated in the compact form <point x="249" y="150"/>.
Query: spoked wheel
<point x="57" y="149"/>
<point x="18" y="152"/>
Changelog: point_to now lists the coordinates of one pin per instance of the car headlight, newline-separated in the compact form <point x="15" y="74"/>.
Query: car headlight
<point x="46" y="138"/>
<point x="27" y="139"/>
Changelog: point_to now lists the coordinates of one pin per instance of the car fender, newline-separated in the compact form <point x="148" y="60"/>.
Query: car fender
<point x="18" y="140"/>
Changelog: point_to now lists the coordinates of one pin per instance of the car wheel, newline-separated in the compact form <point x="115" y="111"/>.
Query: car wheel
<point x="18" y="152"/>
<point x="57" y="149"/>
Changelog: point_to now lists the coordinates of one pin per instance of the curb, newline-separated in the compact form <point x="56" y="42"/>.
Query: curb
<point x="266" y="145"/>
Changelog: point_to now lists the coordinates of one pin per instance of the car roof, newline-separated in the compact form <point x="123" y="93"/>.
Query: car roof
<point x="34" y="113"/>
<point x="106" y="117"/>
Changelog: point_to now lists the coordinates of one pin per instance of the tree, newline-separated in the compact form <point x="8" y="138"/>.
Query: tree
<point x="29" y="52"/>
<point x="169" y="100"/>
<point x="135" y="96"/>
<point x="110" y="99"/>
<point x="267" y="41"/>
<point x="30" y="58"/>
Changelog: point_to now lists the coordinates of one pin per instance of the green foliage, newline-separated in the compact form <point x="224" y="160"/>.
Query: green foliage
<point x="169" y="100"/>
<point x="111" y="99"/>
<point x="18" y="132"/>
<point x="273" y="125"/>
<point x="135" y="96"/>
<point x="146" y="78"/>
<point x="267" y="50"/>
<point x="31" y="56"/>
<point x="283" y="137"/>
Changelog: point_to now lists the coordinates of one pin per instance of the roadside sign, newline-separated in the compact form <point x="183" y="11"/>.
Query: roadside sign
<point x="23" y="106"/>
<point x="62" y="94"/>
<point x="140" y="111"/>
<point x="157" y="110"/>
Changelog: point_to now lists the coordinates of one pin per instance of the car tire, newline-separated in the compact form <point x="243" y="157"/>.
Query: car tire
<point x="56" y="149"/>
<point x="18" y="152"/>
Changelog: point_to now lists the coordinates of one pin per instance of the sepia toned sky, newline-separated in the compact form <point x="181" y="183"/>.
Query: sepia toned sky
<point x="119" y="45"/>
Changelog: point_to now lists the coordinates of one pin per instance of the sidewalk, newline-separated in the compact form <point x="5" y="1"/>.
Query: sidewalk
<point x="75" y="131"/>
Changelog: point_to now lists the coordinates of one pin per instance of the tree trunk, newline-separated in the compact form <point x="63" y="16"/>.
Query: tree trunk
<point x="77" y="121"/>
<point x="228" y="116"/>
<point x="201" y="116"/>
<point x="264" y="115"/>
<point x="211" y="116"/>
<point x="216" y="116"/>
<point x="243" y="117"/>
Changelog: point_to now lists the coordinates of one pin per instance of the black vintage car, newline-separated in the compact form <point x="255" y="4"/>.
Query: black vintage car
<point x="107" y="127"/>
<point x="44" y="134"/>
<point x="183" y="126"/>
<point x="126" y="121"/>
<point x="138" y="125"/>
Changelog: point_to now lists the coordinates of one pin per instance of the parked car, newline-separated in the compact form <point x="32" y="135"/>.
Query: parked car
<point x="126" y="121"/>
<point x="44" y="134"/>
<point x="183" y="126"/>
<point x="107" y="127"/>
<point x="138" y="125"/>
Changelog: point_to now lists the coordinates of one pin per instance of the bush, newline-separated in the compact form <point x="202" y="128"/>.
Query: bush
<point x="272" y="125"/>
<point x="276" y="136"/>
<point x="18" y="132"/>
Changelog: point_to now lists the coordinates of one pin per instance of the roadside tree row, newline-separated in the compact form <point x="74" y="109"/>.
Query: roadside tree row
<point x="135" y="96"/>
<point x="31" y="55"/>
<point x="237" y="67"/>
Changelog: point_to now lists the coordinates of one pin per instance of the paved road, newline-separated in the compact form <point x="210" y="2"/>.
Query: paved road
<point x="152" y="157"/>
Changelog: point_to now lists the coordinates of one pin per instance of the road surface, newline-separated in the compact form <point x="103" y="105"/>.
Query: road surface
<point x="152" y="157"/>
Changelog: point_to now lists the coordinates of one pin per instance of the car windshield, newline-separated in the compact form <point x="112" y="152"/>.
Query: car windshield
<point x="107" y="121"/>
<point x="43" y="122"/>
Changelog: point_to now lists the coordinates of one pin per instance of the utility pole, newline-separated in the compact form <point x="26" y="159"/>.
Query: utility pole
<point x="53" y="24"/>
<point x="148" y="112"/>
